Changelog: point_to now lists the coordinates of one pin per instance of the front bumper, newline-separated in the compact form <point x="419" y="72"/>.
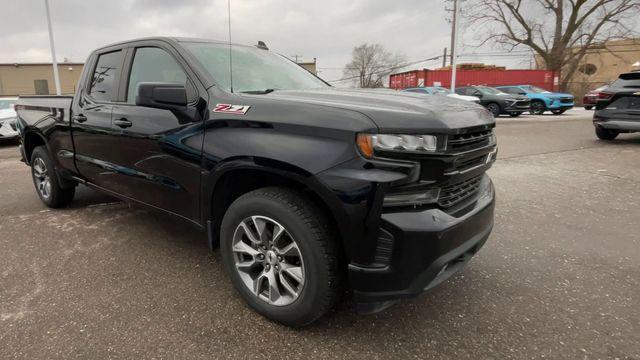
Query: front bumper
<point x="428" y="247"/>
<point x="559" y="105"/>
<point x="519" y="106"/>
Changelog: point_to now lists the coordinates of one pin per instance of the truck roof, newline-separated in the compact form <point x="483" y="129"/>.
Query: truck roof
<point x="169" y="39"/>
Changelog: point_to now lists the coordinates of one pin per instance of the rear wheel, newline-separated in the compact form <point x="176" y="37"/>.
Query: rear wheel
<point x="280" y="252"/>
<point x="494" y="109"/>
<point x="537" y="108"/>
<point x="515" y="114"/>
<point x="606" y="134"/>
<point x="588" y="107"/>
<point x="558" y="112"/>
<point x="46" y="181"/>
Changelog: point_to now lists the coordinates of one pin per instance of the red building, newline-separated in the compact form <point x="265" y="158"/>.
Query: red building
<point x="417" y="78"/>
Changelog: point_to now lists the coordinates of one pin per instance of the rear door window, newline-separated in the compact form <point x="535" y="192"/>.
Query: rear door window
<point x="105" y="76"/>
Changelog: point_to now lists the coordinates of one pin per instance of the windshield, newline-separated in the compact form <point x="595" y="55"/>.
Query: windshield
<point x="489" y="90"/>
<point x="253" y="69"/>
<point x="6" y="104"/>
<point x="538" y="90"/>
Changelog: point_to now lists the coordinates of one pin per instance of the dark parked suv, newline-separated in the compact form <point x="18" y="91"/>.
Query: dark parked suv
<point x="618" y="107"/>
<point x="308" y="190"/>
<point x="496" y="101"/>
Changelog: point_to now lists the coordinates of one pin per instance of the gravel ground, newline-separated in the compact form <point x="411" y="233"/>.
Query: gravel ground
<point x="559" y="277"/>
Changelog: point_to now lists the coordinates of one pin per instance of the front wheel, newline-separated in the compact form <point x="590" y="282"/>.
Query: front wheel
<point x="46" y="181"/>
<point x="537" y="108"/>
<point x="494" y="109"/>
<point x="280" y="252"/>
<point x="558" y="112"/>
<point x="606" y="134"/>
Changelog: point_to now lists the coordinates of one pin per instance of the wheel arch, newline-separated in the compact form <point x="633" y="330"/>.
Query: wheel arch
<point x="241" y="175"/>
<point x="30" y="140"/>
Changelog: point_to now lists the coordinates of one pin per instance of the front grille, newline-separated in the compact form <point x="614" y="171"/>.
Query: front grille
<point x="454" y="194"/>
<point x="522" y="103"/>
<point x="462" y="166"/>
<point x="469" y="140"/>
<point x="566" y="100"/>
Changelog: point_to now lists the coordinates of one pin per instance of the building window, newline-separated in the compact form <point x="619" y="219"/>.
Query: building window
<point x="588" y="69"/>
<point x="41" y="87"/>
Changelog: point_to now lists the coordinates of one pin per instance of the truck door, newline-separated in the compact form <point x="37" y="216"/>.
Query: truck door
<point x="91" y="121"/>
<point x="159" y="153"/>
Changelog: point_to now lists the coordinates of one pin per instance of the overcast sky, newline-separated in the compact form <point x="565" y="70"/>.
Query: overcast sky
<point x="327" y="30"/>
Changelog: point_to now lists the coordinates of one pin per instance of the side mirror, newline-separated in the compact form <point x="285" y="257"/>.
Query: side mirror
<point x="162" y="96"/>
<point x="478" y="95"/>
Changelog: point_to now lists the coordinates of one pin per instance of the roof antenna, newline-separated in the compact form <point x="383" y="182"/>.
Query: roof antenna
<point x="230" y="56"/>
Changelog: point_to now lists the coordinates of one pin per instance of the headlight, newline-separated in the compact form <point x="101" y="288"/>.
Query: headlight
<point x="368" y="143"/>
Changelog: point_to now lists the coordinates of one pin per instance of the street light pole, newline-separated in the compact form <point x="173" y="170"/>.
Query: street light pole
<point x="454" y="46"/>
<point x="56" y="77"/>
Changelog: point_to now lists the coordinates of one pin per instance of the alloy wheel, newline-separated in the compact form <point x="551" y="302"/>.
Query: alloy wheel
<point x="41" y="176"/>
<point x="268" y="260"/>
<point x="537" y="108"/>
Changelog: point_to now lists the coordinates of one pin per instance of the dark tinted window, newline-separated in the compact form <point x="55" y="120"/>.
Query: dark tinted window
<point x="105" y="76"/>
<point x="511" y="90"/>
<point x="630" y="80"/>
<point x="418" y="90"/>
<point x="461" y="91"/>
<point x="152" y="64"/>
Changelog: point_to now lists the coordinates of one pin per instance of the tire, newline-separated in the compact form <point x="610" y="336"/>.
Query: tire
<point x="537" y="108"/>
<point x="588" y="107"/>
<point x="306" y="226"/>
<point x="558" y="112"/>
<point x="45" y="180"/>
<point x="606" y="134"/>
<point x="494" y="109"/>
<point x="515" y="114"/>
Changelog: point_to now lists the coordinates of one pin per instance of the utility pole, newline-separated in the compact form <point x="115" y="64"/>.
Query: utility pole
<point x="454" y="44"/>
<point x="453" y="28"/>
<point x="56" y="77"/>
<point x="296" y="57"/>
<point x="444" y="58"/>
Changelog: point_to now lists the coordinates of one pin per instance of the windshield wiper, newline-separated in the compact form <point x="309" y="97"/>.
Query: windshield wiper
<point x="265" y="91"/>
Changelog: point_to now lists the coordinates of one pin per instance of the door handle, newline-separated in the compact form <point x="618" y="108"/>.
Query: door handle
<point x="79" y="118"/>
<point x="123" y="123"/>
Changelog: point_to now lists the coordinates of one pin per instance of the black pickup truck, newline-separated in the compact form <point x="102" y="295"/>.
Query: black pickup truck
<point x="310" y="191"/>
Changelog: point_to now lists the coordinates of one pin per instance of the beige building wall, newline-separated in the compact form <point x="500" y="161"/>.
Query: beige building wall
<point x="310" y="66"/>
<point x="19" y="79"/>
<point x="602" y="65"/>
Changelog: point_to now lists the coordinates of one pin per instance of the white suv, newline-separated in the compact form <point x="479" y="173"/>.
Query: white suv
<point x="8" y="129"/>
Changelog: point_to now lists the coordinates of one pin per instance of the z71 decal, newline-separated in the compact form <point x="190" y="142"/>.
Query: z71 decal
<point x="231" y="109"/>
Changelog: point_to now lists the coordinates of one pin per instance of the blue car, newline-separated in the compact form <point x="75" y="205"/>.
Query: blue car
<point x="541" y="99"/>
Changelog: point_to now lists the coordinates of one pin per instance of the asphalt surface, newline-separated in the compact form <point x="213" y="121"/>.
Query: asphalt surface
<point x="558" y="278"/>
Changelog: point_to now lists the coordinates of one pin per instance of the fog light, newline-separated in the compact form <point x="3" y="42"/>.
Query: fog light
<point x="429" y="196"/>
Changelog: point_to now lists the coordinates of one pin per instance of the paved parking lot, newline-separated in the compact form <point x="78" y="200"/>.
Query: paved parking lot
<point x="559" y="277"/>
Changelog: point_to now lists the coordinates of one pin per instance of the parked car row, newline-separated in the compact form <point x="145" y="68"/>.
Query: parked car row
<point x="507" y="100"/>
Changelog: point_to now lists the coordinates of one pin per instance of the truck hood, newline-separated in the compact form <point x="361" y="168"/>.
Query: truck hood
<point x="395" y="111"/>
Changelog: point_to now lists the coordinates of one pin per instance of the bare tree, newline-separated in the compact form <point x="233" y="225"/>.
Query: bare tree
<point x="370" y="64"/>
<point x="560" y="32"/>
